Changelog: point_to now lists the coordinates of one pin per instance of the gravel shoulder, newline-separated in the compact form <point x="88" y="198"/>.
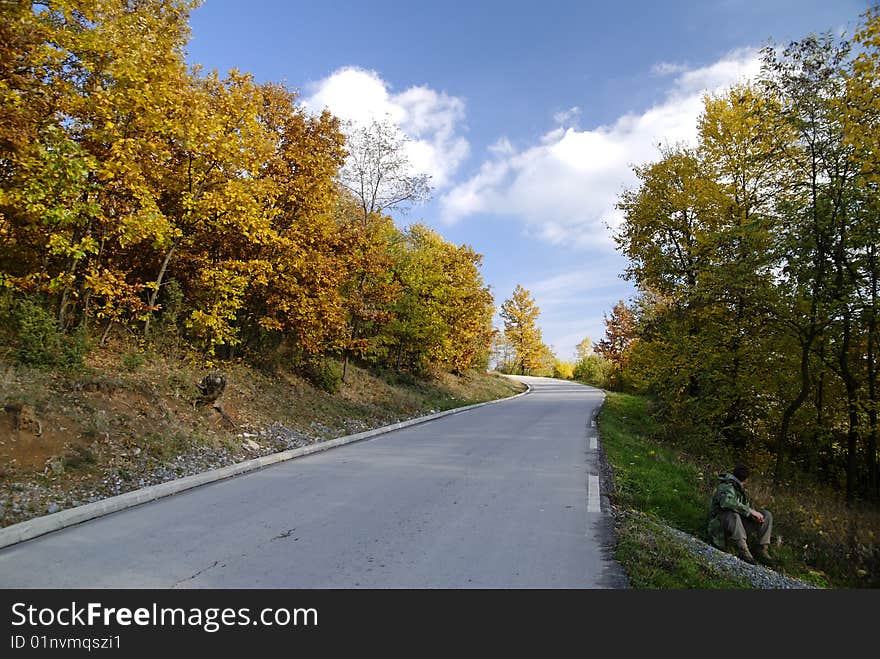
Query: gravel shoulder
<point x="728" y="564"/>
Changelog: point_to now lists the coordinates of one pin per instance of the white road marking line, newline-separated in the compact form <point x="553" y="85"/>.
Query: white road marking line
<point x="593" y="503"/>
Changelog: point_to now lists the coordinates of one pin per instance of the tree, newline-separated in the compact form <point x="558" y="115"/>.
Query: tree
<point x="443" y="317"/>
<point x="743" y="146"/>
<point x="520" y="315"/>
<point x="805" y="77"/>
<point x="595" y="370"/>
<point x="377" y="171"/>
<point x="370" y="287"/>
<point x="590" y="366"/>
<point x="860" y="112"/>
<point x="295" y="292"/>
<point x="583" y="349"/>
<point x="563" y="370"/>
<point x="89" y="97"/>
<point x="755" y="255"/>
<point x="141" y="193"/>
<point x="503" y="353"/>
<point x="619" y="334"/>
<point x="377" y="177"/>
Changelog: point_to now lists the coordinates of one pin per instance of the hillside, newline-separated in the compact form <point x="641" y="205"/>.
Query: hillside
<point x="128" y="419"/>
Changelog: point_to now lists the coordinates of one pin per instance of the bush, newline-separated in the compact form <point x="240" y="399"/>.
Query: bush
<point x="39" y="341"/>
<point x="323" y="372"/>
<point x="79" y="456"/>
<point x="563" y="370"/>
<point x="594" y="370"/>
<point x="165" y="334"/>
<point x="394" y="378"/>
<point x="132" y="361"/>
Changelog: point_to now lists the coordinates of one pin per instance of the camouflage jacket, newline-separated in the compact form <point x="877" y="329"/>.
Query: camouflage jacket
<point x="729" y="495"/>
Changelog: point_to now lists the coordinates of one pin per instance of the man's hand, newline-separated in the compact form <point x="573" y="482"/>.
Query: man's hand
<point x="757" y="515"/>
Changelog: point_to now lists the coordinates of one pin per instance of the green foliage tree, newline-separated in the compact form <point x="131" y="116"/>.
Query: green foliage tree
<point x="443" y="317"/>
<point x="755" y="256"/>
<point x="591" y="367"/>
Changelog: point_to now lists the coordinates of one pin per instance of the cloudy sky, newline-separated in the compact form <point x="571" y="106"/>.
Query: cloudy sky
<point x="528" y="116"/>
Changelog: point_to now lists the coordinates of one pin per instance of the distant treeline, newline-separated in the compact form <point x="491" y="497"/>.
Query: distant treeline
<point x="138" y="193"/>
<point x="756" y="257"/>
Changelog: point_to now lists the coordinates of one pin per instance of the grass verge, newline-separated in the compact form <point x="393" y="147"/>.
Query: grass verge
<point x="655" y="559"/>
<point x="657" y="484"/>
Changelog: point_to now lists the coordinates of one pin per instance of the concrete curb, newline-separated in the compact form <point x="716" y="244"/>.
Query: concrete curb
<point x="38" y="526"/>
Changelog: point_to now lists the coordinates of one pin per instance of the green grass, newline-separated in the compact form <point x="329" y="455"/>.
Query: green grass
<point x="649" y="477"/>
<point x="654" y="559"/>
<point x="655" y="485"/>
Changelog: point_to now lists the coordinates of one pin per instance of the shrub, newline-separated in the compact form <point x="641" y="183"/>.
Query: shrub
<point x="323" y="372"/>
<point x="395" y="378"/>
<point x="39" y="341"/>
<point x="563" y="370"/>
<point x="166" y="332"/>
<point x="79" y="456"/>
<point x="594" y="370"/>
<point x="132" y="361"/>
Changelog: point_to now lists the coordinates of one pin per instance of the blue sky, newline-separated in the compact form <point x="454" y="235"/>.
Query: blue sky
<point x="527" y="115"/>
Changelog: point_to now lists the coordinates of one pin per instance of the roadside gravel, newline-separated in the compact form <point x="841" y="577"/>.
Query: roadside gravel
<point x="133" y="469"/>
<point x="725" y="563"/>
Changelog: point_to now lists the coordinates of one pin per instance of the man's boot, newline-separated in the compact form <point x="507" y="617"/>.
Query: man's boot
<point x="764" y="555"/>
<point x="742" y="550"/>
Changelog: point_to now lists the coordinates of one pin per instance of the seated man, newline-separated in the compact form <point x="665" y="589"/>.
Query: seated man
<point x="731" y="516"/>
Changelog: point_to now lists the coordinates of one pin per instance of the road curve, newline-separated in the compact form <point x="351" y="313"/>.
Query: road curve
<point x="502" y="496"/>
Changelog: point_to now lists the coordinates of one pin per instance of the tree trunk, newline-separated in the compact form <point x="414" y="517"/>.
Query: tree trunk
<point x="732" y="429"/>
<point x="155" y="294"/>
<point x="852" y="434"/>
<point x="106" y="332"/>
<point x="788" y="414"/>
<point x="346" y="354"/>
<point x="873" y="476"/>
<point x="825" y="450"/>
<point x="65" y="298"/>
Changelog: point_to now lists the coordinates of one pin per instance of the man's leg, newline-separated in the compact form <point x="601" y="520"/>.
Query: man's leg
<point x="762" y="532"/>
<point x="734" y="529"/>
<point x="766" y="528"/>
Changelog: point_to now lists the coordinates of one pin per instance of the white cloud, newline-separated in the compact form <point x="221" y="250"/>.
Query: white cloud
<point x="567" y="116"/>
<point x="667" y="68"/>
<point x="502" y="147"/>
<point x="567" y="294"/>
<point x="572" y="301"/>
<point x="742" y="63"/>
<point x="568" y="285"/>
<point x="430" y="119"/>
<point x="564" y="188"/>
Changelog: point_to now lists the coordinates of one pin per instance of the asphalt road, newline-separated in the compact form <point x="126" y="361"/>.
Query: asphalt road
<point x="502" y="496"/>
